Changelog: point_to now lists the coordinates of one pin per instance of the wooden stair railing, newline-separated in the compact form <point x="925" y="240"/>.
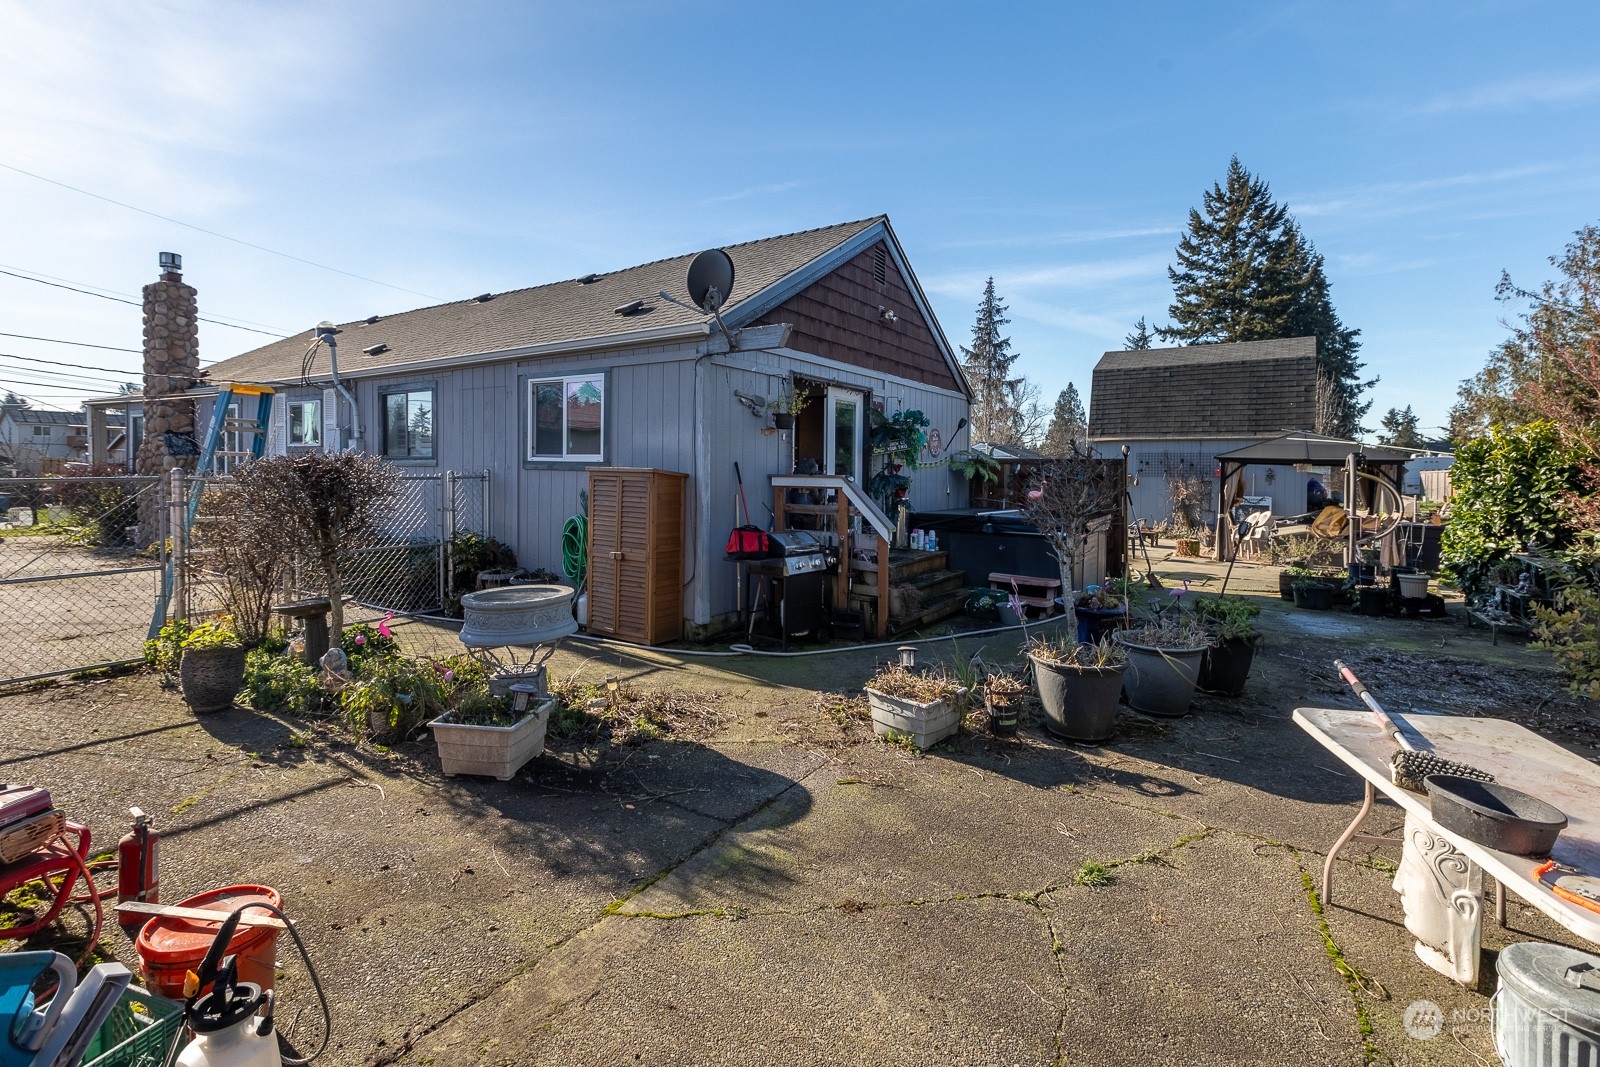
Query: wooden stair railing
<point x="848" y="496"/>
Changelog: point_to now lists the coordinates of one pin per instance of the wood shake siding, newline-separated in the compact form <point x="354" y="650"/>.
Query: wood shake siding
<point x="838" y="318"/>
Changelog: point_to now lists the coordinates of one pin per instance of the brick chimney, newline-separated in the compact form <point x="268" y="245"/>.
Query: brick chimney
<point x="171" y="366"/>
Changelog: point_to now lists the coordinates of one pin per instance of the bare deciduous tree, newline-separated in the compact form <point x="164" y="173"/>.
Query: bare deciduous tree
<point x="1072" y="490"/>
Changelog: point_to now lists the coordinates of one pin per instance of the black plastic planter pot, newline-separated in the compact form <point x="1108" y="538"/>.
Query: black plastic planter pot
<point x="1080" y="703"/>
<point x="1314" y="597"/>
<point x="1096" y="624"/>
<point x="1286" y="585"/>
<point x="1372" y="600"/>
<point x="1226" y="666"/>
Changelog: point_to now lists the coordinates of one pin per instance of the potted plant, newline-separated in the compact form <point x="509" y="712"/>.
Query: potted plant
<point x="1099" y="612"/>
<point x="922" y="706"/>
<point x="211" y="665"/>
<point x="393" y="697"/>
<point x="1294" y="572"/>
<point x="898" y="439"/>
<point x="1413" y="586"/>
<point x="1371" y="600"/>
<point x="1164" y="663"/>
<point x="785" y="408"/>
<point x="1079" y="684"/>
<point x="1313" y="593"/>
<point x="1002" y="698"/>
<point x="1225" y="666"/>
<point x="493" y="735"/>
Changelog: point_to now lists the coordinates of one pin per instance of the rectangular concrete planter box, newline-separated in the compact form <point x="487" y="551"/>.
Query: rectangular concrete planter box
<point x="495" y="751"/>
<point x="925" y="724"/>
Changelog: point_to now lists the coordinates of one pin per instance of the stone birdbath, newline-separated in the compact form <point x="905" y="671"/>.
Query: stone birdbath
<point x="497" y="621"/>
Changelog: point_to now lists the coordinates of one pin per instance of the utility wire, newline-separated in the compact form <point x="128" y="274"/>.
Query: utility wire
<point x="72" y="366"/>
<point x="57" y="378"/>
<point x="113" y="292"/>
<point x="58" y="341"/>
<point x="214" y="233"/>
<point x="132" y="303"/>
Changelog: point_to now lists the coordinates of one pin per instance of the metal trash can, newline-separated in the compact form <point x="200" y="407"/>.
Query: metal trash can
<point x="1547" y="1006"/>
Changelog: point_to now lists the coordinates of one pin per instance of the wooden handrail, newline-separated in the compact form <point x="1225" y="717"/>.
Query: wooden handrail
<point x="847" y="495"/>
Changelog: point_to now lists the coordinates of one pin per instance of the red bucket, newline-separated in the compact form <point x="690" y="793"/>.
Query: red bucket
<point x="170" y="947"/>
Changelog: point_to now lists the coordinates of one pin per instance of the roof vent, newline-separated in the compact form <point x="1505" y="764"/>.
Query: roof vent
<point x="377" y="349"/>
<point x="632" y="307"/>
<point x="484" y="298"/>
<point x="588" y="279"/>
<point x="370" y="319"/>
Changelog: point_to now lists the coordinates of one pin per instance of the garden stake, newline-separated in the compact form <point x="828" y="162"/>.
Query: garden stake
<point x="1408" y="766"/>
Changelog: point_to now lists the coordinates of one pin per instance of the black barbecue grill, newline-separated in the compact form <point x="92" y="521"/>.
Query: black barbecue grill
<point x="789" y="588"/>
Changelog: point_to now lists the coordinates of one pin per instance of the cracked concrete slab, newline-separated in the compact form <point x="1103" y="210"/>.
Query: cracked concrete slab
<point x="965" y="983"/>
<point x="1210" y="955"/>
<point x="877" y="827"/>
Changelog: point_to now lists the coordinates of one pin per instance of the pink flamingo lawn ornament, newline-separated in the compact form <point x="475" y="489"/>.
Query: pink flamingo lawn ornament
<point x="383" y="626"/>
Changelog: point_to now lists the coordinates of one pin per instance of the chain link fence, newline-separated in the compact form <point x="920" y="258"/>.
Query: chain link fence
<point x="79" y="573"/>
<point x="83" y="561"/>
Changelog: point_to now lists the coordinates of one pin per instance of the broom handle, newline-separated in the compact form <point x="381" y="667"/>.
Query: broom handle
<point x="1385" y="723"/>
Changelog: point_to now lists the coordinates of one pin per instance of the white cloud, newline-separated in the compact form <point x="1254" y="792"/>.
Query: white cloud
<point x="1508" y="94"/>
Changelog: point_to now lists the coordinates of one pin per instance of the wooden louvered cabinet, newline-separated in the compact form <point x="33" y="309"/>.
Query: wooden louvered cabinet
<point x="636" y="548"/>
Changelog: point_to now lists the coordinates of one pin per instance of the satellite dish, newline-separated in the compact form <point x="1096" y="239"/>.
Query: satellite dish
<point x="710" y="279"/>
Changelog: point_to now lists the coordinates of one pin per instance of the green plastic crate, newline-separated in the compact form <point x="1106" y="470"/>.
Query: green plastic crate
<point x="141" y="1031"/>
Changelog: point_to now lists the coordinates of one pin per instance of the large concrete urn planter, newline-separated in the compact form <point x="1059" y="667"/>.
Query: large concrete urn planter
<point x="495" y="751"/>
<point x="517" y="615"/>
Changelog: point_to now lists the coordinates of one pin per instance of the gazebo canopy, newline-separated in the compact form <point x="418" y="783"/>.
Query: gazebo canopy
<point x="1303" y="446"/>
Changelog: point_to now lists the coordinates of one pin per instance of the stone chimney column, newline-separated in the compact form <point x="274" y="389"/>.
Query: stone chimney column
<point x="171" y="366"/>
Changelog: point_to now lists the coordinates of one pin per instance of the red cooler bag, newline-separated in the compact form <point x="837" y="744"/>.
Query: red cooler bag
<point x="749" y="542"/>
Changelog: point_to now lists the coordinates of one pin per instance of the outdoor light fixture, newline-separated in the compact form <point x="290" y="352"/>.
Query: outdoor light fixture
<point x="908" y="656"/>
<point x="171" y="263"/>
<point x="887" y="315"/>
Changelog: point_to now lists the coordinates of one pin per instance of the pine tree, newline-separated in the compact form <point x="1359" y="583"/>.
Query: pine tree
<point x="12" y="400"/>
<point x="1246" y="272"/>
<point x="1140" y="339"/>
<point x="1400" y="429"/>
<point x="1067" y="425"/>
<point x="988" y="366"/>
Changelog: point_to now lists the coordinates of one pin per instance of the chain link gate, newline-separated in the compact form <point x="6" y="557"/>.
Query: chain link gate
<point x="81" y="560"/>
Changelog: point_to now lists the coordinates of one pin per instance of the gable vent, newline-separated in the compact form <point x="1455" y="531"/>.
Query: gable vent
<point x="377" y="349"/>
<point x="588" y="279"/>
<point x="880" y="264"/>
<point x="484" y="298"/>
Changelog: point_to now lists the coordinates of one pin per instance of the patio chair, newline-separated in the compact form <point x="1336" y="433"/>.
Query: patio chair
<point x="1255" y="533"/>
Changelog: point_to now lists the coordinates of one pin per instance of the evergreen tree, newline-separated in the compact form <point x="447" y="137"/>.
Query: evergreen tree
<point x="1140" y="339"/>
<point x="988" y="367"/>
<point x="1400" y="429"/>
<point x="1246" y="272"/>
<point x="12" y="400"/>
<point x="1068" y="425"/>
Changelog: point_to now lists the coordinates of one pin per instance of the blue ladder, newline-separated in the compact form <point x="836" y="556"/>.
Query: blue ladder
<point x="221" y="423"/>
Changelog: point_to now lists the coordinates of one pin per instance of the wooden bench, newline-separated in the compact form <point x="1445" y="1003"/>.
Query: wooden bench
<point x="1033" y="592"/>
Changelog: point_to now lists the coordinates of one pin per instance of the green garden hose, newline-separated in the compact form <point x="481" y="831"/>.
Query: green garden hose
<point x="575" y="549"/>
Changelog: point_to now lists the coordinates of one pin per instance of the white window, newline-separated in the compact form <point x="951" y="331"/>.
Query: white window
<point x="566" y="418"/>
<point x="41" y="431"/>
<point x="305" y="423"/>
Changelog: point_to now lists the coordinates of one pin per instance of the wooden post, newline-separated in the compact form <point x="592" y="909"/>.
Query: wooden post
<point x="883" y="588"/>
<point x="842" y="583"/>
<point x="780" y="522"/>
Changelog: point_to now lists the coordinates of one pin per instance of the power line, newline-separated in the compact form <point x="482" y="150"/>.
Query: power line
<point x="214" y="233"/>
<point x="73" y="366"/>
<point x="132" y="303"/>
<point x="113" y="292"/>
<point x="58" y="341"/>
<point x="62" y="377"/>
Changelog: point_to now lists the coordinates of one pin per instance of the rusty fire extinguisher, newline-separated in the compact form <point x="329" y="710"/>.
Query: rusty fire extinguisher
<point x="137" y="877"/>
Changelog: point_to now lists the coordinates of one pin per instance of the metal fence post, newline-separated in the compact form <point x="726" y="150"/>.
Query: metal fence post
<point x="448" y="534"/>
<point x="175" y="524"/>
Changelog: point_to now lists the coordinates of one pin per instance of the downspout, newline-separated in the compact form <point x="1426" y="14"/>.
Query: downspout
<point x="328" y="333"/>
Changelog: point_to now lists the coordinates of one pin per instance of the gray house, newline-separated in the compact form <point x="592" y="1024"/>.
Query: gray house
<point x="1178" y="409"/>
<point x="536" y="385"/>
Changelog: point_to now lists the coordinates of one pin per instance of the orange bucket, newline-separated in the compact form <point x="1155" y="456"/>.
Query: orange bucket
<point x="170" y="947"/>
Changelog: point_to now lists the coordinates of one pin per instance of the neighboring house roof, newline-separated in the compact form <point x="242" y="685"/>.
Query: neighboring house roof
<point x="1246" y="389"/>
<point x="39" y="417"/>
<point x="568" y="312"/>
<point x="1010" y="453"/>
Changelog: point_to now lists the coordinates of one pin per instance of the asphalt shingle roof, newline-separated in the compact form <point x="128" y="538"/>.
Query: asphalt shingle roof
<point x="571" y="310"/>
<point x="1245" y="389"/>
<point x="37" y="416"/>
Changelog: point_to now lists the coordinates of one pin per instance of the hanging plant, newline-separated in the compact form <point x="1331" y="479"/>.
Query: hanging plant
<point x="898" y="439"/>
<point x="970" y="464"/>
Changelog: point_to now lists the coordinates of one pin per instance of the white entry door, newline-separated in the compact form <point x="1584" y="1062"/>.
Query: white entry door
<point x="844" y="432"/>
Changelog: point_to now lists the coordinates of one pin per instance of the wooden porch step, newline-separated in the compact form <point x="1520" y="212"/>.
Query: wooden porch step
<point x="905" y="563"/>
<point x="929" y="585"/>
<point x="931" y="612"/>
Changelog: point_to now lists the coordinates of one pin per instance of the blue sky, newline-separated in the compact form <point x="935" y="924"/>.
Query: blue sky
<point x="453" y="149"/>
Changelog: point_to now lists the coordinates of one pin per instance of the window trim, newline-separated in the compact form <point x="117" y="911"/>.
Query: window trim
<point x="533" y="381"/>
<point x="288" y="421"/>
<point x="396" y="389"/>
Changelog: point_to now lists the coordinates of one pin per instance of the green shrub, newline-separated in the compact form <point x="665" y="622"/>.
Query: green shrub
<point x="399" y="693"/>
<point x="1570" y="631"/>
<point x="277" y="682"/>
<point x="162" y="650"/>
<point x="481" y="709"/>
<point x="363" y="642"/>
<point x="1507" y="492"/>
